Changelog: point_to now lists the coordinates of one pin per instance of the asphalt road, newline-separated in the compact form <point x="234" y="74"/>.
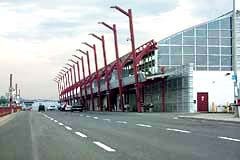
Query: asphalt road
<point x="114" y="136"/>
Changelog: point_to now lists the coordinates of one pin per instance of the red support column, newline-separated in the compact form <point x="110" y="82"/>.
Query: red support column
<point x="119" y="67"/>
<point x="97" y="74"/>
<point x="135" y="70"/>
<point x="105" y="65"/>
<point x="89" y="74"/>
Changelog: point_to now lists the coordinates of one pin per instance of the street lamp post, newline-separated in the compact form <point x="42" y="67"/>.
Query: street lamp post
<point x="105" y="65"/>
<point x="138" y="95"/>
<point x="89" y="74"/>
<point x="63" y="73"/>
<point x="85" y="88"/>
<point x="113" y="28"/>
<point x="69" y="84"/>
<point x="77" y="63"/>
<point x="75" y="79"/>
<point x="97" y="73"/>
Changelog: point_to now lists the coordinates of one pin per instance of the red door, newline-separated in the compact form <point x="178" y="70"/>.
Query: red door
<point x="202" y="101"/>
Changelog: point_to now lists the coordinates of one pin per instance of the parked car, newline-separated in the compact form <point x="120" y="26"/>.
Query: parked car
<point x="41" y="108"/>
<point x="68" y="108"/>
<point x="52" y="108"/>
<point x="77" y="107"/>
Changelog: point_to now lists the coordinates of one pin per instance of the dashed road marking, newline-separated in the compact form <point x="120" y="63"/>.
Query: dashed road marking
<point x="107" y="119"/>
<point x="61" y="124"/>
<point x="68" y="128"/>
<point x="105" y="147"/>
<point x="95" y="117"/>
<point x="55" y="121"/>
<point x="230" y="139"/>
<point x="81" y="134"/>
<point x="80" y="115"/>
<point x="51" y="119"/>
<point x="122" y="122"/>
<point x="177" y="130"/>
<point x="175" y="117"/>
<point x="144" y="125"/>
<point x="88" y="116"/>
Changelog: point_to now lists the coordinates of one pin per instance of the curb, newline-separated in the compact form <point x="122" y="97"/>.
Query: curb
<point x="207" y="119"/>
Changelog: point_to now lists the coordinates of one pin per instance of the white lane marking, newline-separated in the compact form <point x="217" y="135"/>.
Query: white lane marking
<point x="80" y="115"/>
<point x="55" y="121"/>
<point x="177" y="130"/>
<point x="61" y="124"/>
<point x="107" y="119"/>
<point x="68" y="128"/>
<point x="175" y="118"/>
<point x="105" y="147"/>
<point x="81" y="134"/>
<point x="122" y="122"/>
<point x="88" y="116"/>
<point x="144" y="125"/>
<point x="95" y="117"/>
<point x="51" y="119"/>
<point x="230" y="139"/>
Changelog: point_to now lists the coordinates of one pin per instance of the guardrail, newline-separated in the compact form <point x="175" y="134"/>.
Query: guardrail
<point x="8" y="110"/>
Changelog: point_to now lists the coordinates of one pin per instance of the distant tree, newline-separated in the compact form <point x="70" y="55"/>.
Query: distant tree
<point x="3" y="100"/>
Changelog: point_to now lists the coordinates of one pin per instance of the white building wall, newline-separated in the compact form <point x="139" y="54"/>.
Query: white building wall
<point x="219" y="86"/>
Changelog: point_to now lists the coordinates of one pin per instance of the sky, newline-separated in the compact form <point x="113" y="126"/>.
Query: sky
<point x="37" y="37"/>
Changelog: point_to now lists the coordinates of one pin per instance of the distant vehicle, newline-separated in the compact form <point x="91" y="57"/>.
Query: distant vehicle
<point x="68" y="108"/>
<point x="52" y="108"/>
<point x="62" y="107"/>
<point x="77" y="107"/>
<point x="41" y="108"/>
<point x="24" y="108"/>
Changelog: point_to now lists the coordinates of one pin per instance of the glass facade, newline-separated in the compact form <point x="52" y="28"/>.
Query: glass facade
<point x="207" y="46"/>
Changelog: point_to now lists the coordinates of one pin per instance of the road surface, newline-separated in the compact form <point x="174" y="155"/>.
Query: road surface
<point x="116" y="136"/>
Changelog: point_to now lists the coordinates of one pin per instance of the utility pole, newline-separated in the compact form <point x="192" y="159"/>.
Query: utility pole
<point x="10" y="91"/>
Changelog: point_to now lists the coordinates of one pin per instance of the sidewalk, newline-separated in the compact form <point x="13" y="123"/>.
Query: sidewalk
<point x="221" y="117"/>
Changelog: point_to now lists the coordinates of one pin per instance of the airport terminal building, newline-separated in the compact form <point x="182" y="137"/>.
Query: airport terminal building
<point x="189" y="71"/>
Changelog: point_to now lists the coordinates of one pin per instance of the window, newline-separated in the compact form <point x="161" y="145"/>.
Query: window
<point x="213" y="25"/>
<point x="226" y="33"/>
<point x="177" y="40"/>
<point x="163" y="59"/>
<point x="188" y="59"/>
<point x="201" y="33"/>
<point x="213" y="41"/>
<point x="214" y="68"/>
<point x="176" y="60"/>
<point x="163" y="50"/>
<point x="165" y="41"/>
<point x="226" y="68"/>
<point x="201" y="50"/>
<point x="189" y="33"/>
<point x="225" y="23"/>
<point x="201" y="60"/>
<point x="213" y="33"/>
<point x="226" y="60"/>
<point x="226" y="50"/>
<point x="213" y="50"/>
<point x="201" y="68"/>
<point x="188" y="50"/>
<point x="176" y="49"/>
<point x="213" y="60"/>
<point x="226" y="41"/>
<point x="202" y="27"/>
<point x="201" y="41"/>
<point x="188" y="40"/>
